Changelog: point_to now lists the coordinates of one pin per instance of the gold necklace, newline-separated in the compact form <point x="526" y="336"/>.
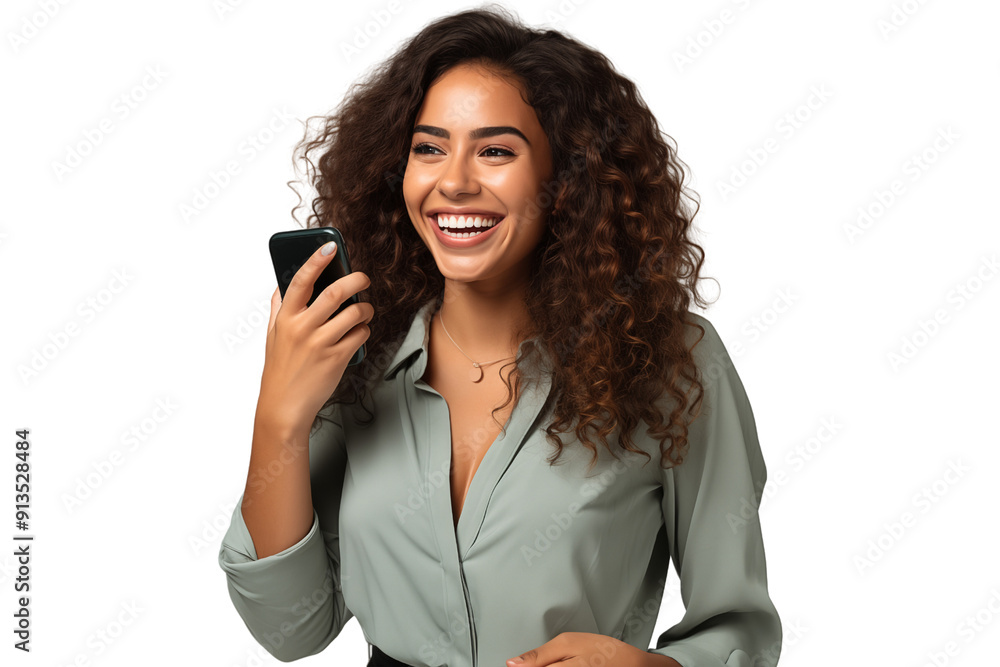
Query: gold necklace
<point x="476" y="373"/>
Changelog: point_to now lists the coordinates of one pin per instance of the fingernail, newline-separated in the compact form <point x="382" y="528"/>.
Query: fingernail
<point x="328" y="248"/>
<point x="515" y="661"/>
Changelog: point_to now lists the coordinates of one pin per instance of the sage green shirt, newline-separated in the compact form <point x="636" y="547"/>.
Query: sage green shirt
<point x="539" y="550"/>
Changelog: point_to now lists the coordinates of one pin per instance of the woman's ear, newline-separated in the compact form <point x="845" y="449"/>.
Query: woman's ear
<point x="555" y="207"/>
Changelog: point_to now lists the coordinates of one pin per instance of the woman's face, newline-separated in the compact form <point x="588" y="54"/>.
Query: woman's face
<point x="477" y="147"/>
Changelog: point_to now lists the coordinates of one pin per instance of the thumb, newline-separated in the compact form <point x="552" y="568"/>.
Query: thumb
<point x="526" y="659"/>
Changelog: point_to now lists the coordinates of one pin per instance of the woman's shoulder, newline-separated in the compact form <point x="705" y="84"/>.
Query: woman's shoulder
<point x="701" y="335"/>
<point x="709" y="352"/>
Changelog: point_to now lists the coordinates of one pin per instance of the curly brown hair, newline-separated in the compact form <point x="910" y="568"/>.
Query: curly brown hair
<point x="614" y="275"/>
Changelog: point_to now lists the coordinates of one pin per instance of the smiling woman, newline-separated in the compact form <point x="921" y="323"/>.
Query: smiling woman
<point x="510" y="198"/>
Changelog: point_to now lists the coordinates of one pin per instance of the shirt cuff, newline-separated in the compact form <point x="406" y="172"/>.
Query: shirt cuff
<point x="270" y="581"/>
<point x="692" y="656"/>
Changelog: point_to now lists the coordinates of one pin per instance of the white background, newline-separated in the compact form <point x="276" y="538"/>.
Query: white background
<point x="811" y="313"/>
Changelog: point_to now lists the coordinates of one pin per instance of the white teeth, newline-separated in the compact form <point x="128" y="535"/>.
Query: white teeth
<point x="462" y="221"/>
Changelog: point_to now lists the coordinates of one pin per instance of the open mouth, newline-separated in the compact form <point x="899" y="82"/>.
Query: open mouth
<point x="464" y="227"/>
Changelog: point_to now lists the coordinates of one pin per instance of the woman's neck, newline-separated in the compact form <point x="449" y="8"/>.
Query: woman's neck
<point x="484" y="325"/>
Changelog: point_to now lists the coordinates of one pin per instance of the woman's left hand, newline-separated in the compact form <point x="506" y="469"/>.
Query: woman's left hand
<point x="582" y="649"/>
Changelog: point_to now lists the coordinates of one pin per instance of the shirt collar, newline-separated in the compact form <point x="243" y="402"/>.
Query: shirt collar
<point x="417" y="337"/>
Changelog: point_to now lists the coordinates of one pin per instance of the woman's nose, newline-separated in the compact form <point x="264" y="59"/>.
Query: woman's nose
<point x="457" y="178"/>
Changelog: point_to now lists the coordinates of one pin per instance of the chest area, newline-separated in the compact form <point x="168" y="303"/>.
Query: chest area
<point x="402" y="484"/>
<point x="474" y="426"/>
<point x="473" y="423"/>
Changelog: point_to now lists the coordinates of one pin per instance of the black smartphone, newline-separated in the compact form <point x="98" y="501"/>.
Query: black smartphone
<point x="290" y="250"/>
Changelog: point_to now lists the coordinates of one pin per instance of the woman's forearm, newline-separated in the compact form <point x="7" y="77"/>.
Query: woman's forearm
<point x="277" y="501"/>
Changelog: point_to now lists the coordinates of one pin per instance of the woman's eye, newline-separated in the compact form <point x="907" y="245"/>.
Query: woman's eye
<point x="504" y="152"/>
<point x="418" y="147"/>
<point x="427" y="149"/>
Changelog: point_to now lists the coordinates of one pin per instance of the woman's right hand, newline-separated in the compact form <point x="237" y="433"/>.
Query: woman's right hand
<point x="307" y="352"/>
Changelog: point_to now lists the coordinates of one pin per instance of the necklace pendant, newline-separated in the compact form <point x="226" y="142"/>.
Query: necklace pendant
<point x="476" y="373"/>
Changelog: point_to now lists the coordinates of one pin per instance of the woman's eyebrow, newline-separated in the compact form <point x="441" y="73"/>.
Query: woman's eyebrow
<point x="478" y="133"/>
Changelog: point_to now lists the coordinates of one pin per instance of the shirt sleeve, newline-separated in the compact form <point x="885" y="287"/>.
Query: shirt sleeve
<point x="291" y="601"/>
<point x="710" y="506"/>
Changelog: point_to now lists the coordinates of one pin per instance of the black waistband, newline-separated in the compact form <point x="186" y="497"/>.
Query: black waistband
<point x="380" y="659"/>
